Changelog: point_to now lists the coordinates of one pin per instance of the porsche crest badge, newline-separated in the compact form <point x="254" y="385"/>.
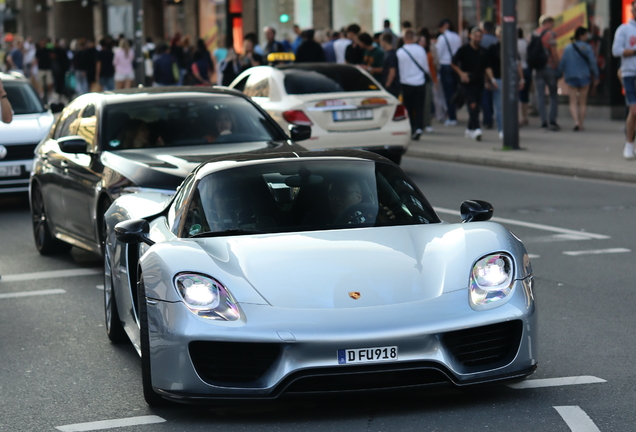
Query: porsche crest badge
<point x="354" y="295"/>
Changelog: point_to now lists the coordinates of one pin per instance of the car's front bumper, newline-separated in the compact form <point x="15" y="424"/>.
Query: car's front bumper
<point x="302" y="346"/>
<point x="19" y="183"/>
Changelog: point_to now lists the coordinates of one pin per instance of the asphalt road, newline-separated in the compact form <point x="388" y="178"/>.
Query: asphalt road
<point x="58" y="370"/>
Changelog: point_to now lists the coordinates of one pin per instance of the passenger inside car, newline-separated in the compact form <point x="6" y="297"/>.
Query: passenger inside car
<point x="136" y="134"/>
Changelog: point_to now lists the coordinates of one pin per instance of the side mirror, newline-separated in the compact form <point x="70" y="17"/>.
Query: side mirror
<point x="133" y="231"/>
<point x="73" y="144"/>
<point x="476" y="211"/>
<point x="56" y="107"/>
<point x="299" y="132"/>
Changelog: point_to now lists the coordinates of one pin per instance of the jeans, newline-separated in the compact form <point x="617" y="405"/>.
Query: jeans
<point x="81" y="82"/>
<point x="473" y="95"/>
<point x="542" y="78"/>
<point x="107" y="83"/>
<point x="414" y="102"/>
<point x="449" y="86"/>
<point x="496" y="99"/>
<point x="486" y="106"/>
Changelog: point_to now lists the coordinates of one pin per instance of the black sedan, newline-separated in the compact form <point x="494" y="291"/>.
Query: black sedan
<point x="108" y="144"/>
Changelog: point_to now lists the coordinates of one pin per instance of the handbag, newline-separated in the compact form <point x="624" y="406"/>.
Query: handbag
<point x="70" y="81"/>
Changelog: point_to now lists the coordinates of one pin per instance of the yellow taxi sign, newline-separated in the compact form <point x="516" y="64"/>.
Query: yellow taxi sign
<point x="281" y="56"/>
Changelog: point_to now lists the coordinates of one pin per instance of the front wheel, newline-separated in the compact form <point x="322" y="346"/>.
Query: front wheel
<point x="152" y="397"/>
<point x="114" y="328"/>
<point x="45" y="243"/>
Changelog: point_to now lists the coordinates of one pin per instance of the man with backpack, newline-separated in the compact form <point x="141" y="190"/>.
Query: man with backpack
<point x="543" y="58"/>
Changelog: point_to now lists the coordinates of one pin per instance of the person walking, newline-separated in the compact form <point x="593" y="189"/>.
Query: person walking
<point x="448" y="42"/>
<point x="546" y="73"/>
<point x="164" y="68"/>
<point x="354" y="53"/>
<point x="105" y="70"/>
<point x="328" y="48"/>
<point x="373" y="56"/>
<point x="309" y="51"/>
<point x="524" y="93"/>
<point x="624" y="46"/>
<point x="43" y="57"/>
<point x="471" y="64"/>
<point x="390" y="72"/>
<point x="490" y="38"/>
<point x="80" y="65"/>
<point x="413" y="65"/>
<point x="272" y="45"/>
<point x="123" y="62"/>
<point x="579" y="69"/>
<point x="429" y="108"/>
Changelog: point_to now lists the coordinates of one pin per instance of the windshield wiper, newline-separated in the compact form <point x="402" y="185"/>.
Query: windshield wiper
<point x="229" y="232"/>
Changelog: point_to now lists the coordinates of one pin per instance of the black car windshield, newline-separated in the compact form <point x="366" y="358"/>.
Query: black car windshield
<point x="326" y="79"/>
<point x="302" y="195"/>
<point x="185" y="122"/>
<point x="22" y="97"/>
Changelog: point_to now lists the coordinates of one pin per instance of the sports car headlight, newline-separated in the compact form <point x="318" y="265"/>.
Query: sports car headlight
<point x="491" y="279"/>
<point x="206" y="297"/>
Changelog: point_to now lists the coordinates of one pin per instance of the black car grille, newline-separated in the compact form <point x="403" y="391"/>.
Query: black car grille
<point x="376" y="377"/>
<point x="19" y="152"/>
<point x="223" y="363"/>
<point x="485" y="346"/>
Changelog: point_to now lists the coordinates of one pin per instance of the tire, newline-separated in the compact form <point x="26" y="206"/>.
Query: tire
<point x="152" y="398"/>
<point x="114" y="328"/>
<point x="45" y="243"/>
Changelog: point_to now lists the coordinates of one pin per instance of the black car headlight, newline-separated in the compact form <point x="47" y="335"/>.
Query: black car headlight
<point x="491" y="280"/>
<point x="206" y="297"/>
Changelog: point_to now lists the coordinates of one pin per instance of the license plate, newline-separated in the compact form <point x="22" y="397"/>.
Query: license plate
<point x="352" y="115"/>
<point x="367" y="355"/>
<point x="10" y="170"/>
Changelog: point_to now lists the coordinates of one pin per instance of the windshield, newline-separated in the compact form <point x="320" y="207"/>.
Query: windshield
<point x="329" y="79"/>
<point x="304" y="196"/>
<point x="185" y="122"/>
<point x="22" y="97"/>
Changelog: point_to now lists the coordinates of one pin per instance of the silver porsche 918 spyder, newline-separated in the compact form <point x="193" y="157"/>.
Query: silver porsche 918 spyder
<point x="274" y="274"/>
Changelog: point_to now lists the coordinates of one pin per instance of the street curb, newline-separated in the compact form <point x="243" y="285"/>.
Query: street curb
<point x="525" y="166"/>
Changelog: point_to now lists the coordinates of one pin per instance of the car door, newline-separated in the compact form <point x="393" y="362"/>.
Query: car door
<point x="54" y="170"/>
<point x="83" y="174"/>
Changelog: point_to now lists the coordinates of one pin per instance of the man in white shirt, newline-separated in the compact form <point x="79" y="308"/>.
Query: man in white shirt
<point x="413" y="67"/>
<point x="447" y="45"/>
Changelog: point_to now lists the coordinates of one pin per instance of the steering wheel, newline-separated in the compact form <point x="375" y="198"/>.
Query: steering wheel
<point x="359" y="214"/>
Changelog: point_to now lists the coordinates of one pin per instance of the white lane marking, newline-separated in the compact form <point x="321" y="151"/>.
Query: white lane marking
<point x="597" y="252"/>
<point x="555" y="238"/>
<point x="556" y="382"/>
<point x="109" y="424"/>
<point x="100" y="287"/>
<point x="31" y="293"/>
<point x="50" y="274"/>
<point x="531" y="256"/>
<point x="533" y="225"/>
<point x="576" y="419"/>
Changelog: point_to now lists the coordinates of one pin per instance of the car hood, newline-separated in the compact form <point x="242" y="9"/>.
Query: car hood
<point x="165" y="168"/>
<point x="389" y="265"/>
<point x="26" y="128"/>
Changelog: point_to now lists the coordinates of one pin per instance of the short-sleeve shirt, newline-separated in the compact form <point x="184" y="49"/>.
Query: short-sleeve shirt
<point x="494" y="59"/>
<point x="473" y="61"/>
<point x="43" y="55"/>
<point x="374" y="58"/>
<point x="105" y="57"/>
<point x="391" y="61"/>
<point x="354" y="54"/>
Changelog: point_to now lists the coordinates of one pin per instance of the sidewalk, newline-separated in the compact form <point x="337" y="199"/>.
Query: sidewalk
<point x="596" y="152"/>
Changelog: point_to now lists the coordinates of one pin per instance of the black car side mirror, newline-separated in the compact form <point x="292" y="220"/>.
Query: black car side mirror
<point x="299" y="132"/>
<point x="133" y="231"/>
<point x="56" y="107"/>
<point x="476" y="211"/>
<point x="73" y="144"/>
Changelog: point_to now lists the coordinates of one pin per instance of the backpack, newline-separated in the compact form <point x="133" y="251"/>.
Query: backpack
<point x="536" y="56"/>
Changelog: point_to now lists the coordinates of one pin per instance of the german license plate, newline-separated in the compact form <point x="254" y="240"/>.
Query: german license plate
<point x="367" y="355"/>
<point x="352" y="115"/>
<point x="10" y="170"/>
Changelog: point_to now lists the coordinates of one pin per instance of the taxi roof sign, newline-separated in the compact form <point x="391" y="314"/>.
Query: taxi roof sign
<point x="281" y="56"/>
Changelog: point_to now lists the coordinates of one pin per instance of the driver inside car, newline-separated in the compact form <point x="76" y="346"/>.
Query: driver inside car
<point x="223" y="125"/>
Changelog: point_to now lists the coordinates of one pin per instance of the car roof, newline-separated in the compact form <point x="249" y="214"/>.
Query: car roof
<point x="286" y="68"/>
<point x="13" y="76"/>
<point x="251" y="158"/>
<point x="143" y="93"/>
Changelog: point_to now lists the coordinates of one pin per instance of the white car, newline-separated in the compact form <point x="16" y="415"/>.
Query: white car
<point x="18" y="139"/>
<point x="343" y="104"/>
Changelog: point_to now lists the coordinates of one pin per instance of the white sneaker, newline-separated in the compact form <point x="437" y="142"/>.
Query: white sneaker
<point x="450" y="122"/>
<point x="468" y="133"/>
<point x="429" y="129"/>
<point x="500" y="135"/>
<point x="476" y="135"/>
<point x="628" y="151"/>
